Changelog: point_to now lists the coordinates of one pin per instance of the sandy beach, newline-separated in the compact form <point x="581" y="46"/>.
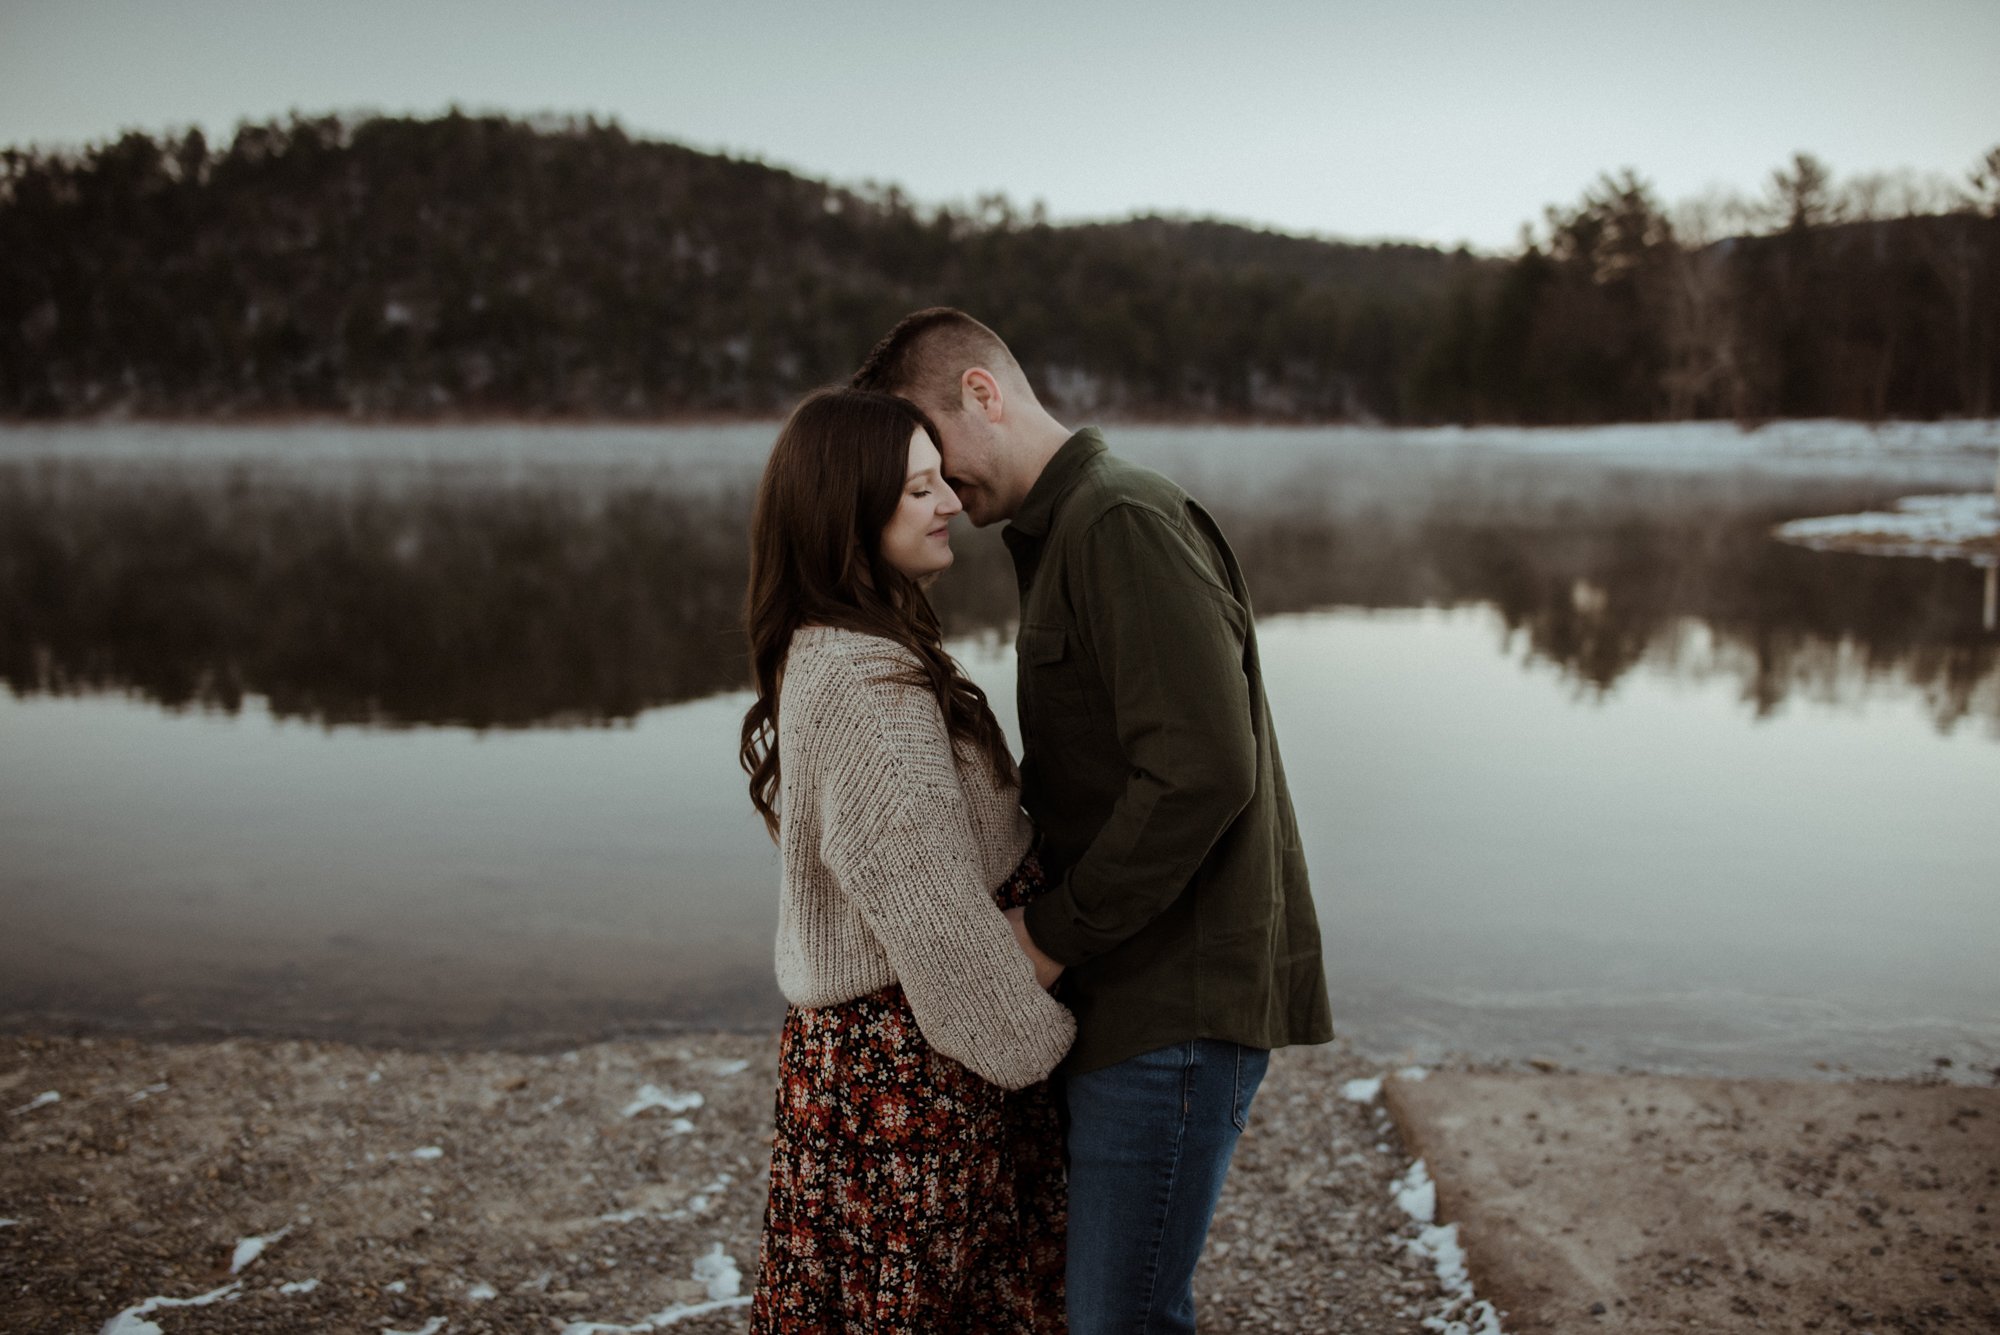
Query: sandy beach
<point x="258" y="1185"/>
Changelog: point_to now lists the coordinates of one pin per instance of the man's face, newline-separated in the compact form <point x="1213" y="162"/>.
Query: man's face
<point x="972" y="466"/>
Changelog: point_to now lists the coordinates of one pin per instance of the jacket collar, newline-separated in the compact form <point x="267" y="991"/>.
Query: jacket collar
<point x="1038" y="507"/>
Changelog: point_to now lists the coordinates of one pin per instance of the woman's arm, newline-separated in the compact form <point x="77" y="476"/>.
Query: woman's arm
<point x="897" y="835"/>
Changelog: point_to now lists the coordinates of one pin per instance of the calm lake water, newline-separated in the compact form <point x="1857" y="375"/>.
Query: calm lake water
<point x="429" y="735"/>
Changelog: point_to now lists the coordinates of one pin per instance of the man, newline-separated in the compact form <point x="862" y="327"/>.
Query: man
<point x="1180" y="919"/>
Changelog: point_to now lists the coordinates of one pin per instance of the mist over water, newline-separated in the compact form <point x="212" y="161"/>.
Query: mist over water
<point x="430" y="734"/>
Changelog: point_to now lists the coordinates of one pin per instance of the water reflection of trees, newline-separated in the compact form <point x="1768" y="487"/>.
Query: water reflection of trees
<point x="1679" y="573"/>
<point x="449" y="600"/>
<point x="427" y="604"/>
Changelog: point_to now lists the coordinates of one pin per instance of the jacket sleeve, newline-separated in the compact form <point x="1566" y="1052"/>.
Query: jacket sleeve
<point x="897" y="835"/>
<point x="1168" y="641"/>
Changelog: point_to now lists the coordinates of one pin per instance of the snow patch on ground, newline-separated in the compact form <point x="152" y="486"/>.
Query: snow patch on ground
<point x="430" y="1327"/>
<point x="299" y="1286"/>
<point x="249" y="1249"/>
<point x="480" y="1293"/>
<point x="715" y="1269"/>
<point x="1416" y="1194"/>
<point x="132" y="1321"/>
<point x="41" y="1100"/>
<point x="1464" y="1313"/>
<point x="141" y="1095"/>
<point x="734" y="1066"/>
<point x="652" y="1096"/>
<point x="1362" y="1091"/>
<point x="1960" y="524"/>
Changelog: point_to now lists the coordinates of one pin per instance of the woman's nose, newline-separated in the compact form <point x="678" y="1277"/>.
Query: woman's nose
<point x="948" y="502"/>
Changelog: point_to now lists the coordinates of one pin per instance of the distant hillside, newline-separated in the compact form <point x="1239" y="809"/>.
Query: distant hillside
<point x="484" y="265"/>
<point x="467" y="266"/>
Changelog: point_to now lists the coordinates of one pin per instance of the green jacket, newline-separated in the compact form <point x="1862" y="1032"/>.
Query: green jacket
<point x="1181" y="905"/>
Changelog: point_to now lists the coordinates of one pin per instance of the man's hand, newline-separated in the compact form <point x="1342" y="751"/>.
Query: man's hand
<point x="1046" y="969"/>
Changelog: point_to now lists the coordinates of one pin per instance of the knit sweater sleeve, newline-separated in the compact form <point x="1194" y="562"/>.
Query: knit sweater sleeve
<point x="897" y="835"/>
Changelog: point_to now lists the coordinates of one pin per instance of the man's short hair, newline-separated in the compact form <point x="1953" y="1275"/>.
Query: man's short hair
<point x="924" y="357"/>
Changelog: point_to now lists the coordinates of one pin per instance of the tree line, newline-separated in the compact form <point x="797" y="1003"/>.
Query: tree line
<point x="464" y="266"/>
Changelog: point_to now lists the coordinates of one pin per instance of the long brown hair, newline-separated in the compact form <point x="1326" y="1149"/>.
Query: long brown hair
<point x="834" y="480"/>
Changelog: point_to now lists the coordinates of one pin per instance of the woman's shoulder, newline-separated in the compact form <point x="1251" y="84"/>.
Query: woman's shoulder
<point x="840" y="652"/>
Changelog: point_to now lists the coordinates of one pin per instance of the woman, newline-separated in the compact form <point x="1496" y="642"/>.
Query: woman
<point x="916" y="1179"/>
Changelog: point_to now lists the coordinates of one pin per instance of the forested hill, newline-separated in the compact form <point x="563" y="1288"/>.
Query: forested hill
<point x="468" y="266"/>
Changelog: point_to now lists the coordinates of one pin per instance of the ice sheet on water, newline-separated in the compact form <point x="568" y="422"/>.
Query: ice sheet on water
<point x="1918" y="526"/>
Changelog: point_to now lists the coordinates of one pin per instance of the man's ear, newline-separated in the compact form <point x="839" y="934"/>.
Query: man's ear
<point x="979" y="392"/>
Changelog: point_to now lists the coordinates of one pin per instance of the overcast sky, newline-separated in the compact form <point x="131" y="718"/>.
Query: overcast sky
<point x="1436" y="120"/>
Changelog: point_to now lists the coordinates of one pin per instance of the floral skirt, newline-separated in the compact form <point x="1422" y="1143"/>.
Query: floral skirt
<point x="908" y="1196"/>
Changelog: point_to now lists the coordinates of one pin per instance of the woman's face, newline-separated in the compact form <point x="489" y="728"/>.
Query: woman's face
<point x="915" y="540"/>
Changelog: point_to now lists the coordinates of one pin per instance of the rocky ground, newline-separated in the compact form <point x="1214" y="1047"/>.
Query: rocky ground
<point x="508" y="1192"/>
<point x="310" y="1186"/>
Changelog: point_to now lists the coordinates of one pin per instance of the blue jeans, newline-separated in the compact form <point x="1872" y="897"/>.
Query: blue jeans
<point x="1149" y="1143"/>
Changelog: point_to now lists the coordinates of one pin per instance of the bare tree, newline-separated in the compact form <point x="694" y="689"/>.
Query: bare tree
<point x="1704" y="374"/>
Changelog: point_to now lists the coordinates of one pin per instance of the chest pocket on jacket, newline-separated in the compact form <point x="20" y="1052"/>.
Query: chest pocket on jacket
<point x="1053" y="690"/>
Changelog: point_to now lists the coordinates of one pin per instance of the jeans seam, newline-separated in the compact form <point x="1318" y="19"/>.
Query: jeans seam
<point x="1236" y="1118"/>
<point x="1173" y="1174"/>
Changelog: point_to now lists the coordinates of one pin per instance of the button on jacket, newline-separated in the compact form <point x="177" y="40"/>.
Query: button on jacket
<point x="1182" y="908"/>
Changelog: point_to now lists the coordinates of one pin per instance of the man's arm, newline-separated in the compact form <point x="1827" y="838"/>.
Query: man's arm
<point x="1168" y="641"/>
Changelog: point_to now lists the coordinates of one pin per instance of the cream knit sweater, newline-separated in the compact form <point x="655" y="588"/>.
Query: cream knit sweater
<point x="892" y="844"/>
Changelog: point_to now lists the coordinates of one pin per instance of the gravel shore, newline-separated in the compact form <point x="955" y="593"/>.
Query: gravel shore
<point x="258" y="1185"/>
<point x="508" y="1192"/>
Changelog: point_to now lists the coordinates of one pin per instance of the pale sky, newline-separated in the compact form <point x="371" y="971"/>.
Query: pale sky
<point x="1433" y="120"/>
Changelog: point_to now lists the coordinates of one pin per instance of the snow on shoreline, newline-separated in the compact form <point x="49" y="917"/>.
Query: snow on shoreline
<point x="1463" y="1312"/>
<point x="132" y="1321"/>
<point x="715" y="1270"/>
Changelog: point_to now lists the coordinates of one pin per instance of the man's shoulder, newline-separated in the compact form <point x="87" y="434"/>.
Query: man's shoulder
<point x="1109" y="483"/>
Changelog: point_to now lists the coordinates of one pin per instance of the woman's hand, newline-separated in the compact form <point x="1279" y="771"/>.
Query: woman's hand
<point x="1046" y="969"/>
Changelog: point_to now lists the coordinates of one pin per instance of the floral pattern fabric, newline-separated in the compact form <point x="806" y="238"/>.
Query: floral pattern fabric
<point x="908" y="1196"/>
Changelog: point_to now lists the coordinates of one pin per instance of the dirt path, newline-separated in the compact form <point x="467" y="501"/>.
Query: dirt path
<point x="1651" y="1204"/>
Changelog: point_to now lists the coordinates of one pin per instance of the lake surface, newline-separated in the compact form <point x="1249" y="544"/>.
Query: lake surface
<point x="429" y="735"/>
